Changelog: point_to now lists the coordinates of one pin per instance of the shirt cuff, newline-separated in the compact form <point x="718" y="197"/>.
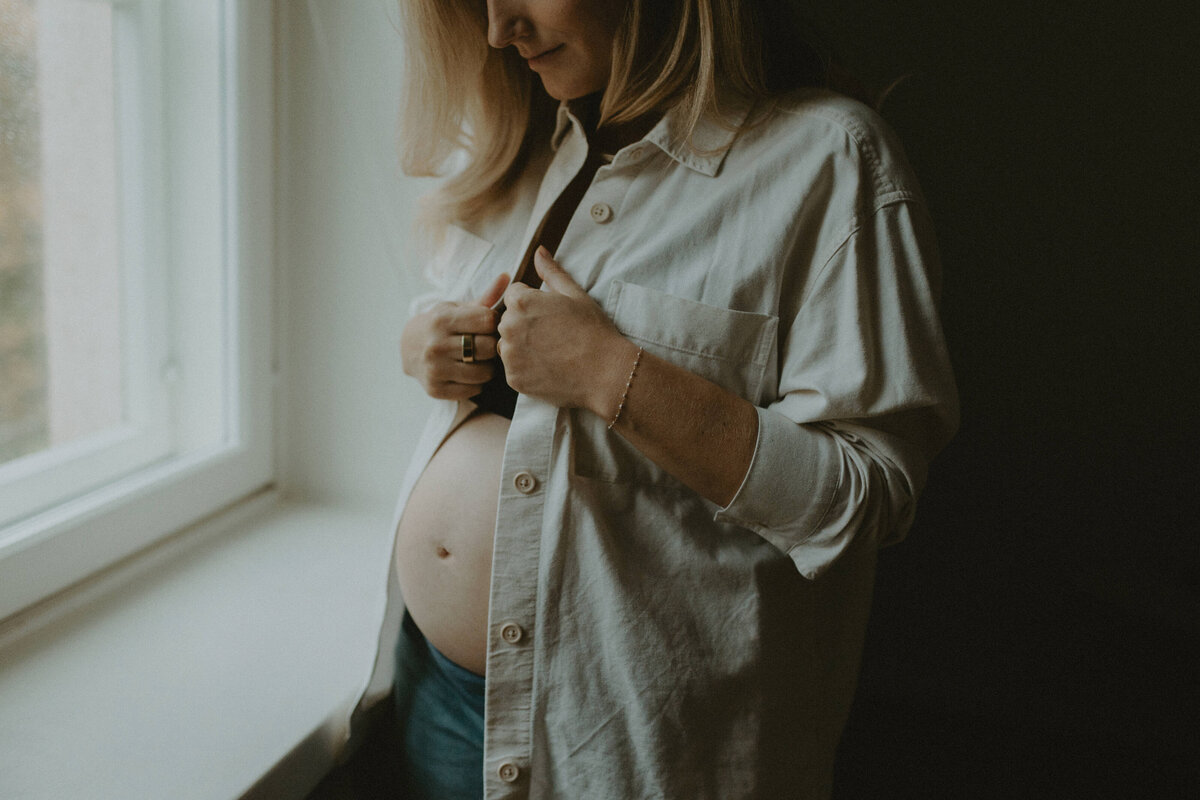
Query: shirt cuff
<point x="789" y="490"/>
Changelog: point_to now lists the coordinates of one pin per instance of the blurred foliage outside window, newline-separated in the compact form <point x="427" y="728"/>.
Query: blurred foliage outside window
<point x="23" y="371"/>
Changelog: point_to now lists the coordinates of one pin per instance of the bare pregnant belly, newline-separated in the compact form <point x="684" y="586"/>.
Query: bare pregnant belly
<point x="444" y="540"/>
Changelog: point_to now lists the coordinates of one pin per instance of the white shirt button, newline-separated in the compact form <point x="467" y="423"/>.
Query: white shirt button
<point x="524" y="482"/>
<point x="509" y="772"/>
<point x="511" y="632"/>
<point x="602" y="213"/>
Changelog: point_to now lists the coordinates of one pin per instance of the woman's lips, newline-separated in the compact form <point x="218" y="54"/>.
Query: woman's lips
<point x="542" y="57"/>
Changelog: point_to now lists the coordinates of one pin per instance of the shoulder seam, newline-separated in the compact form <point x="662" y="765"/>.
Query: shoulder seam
<point x="881" y="183"/>
<point x="898" y="197"/>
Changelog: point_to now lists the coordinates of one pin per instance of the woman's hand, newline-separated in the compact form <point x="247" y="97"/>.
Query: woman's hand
<point x="431" y="346"/>
<point x="559" y="345"/>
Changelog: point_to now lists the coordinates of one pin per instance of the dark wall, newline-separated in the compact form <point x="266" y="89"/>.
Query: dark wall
<point x="1036" y="636"/>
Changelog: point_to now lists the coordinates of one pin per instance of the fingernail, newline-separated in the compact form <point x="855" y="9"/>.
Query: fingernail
<point x="543" y="252"/>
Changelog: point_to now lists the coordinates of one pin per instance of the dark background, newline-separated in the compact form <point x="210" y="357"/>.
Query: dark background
<point x="1036" y="635"/>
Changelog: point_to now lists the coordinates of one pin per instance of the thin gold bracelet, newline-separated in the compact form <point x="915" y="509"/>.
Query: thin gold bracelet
<point x="625" y="394"/>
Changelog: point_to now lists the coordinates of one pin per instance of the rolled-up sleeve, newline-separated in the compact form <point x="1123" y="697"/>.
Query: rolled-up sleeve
<point x="865" y="397"/>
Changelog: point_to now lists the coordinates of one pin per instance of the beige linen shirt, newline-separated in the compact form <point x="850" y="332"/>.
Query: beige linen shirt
<point x="644" y="642"/>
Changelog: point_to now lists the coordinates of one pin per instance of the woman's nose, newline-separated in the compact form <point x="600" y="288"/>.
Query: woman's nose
<point x="504" y="22"/>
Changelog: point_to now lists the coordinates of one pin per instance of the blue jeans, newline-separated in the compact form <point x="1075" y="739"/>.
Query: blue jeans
<point x="439" y="716"/>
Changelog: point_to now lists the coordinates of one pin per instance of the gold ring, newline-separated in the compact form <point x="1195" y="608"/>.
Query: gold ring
<point x="468" y="348"/>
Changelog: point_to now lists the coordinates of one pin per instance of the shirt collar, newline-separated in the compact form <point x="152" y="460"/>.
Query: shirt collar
<point x="562" y="124"/>
<point x="711" y="138"/>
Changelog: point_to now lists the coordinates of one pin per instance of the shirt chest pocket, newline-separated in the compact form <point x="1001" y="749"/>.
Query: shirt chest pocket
<point x="729" y="348"/>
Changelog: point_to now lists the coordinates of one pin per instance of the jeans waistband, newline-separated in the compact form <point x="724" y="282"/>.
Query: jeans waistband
<point x="458" y="675"/>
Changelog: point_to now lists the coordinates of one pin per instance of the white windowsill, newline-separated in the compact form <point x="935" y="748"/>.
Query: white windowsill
<point x="224" y="660"/>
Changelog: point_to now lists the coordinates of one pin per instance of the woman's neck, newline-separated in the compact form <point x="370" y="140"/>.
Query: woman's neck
<point x="609" y="138"/>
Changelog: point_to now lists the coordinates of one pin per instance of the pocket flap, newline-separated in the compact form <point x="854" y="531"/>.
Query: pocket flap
<point x="730" y="348"/>
<point x="695" y="334"/>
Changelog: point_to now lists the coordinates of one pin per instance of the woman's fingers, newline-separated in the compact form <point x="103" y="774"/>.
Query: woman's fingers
<point x="456" y="318"/>
<point x="459" y="319"/>
<point x="495" y="291"/>
<point x="468" y="374"/>
<point x="433" y="345"/>
<point x="457" y="381"/>
<point x="446" y="369"/>
<point x="516" y="293"/>
<point x="484" y="346"/>
<point x="554" y="276"/>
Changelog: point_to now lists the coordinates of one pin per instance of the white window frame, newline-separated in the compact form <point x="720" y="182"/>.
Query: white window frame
<point x="43" y="554"/>
<point x="145" y="434"/>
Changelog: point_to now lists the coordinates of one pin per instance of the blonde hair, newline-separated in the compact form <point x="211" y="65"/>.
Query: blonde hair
<point x="464" y="96"/>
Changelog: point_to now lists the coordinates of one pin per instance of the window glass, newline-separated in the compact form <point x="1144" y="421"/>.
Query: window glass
<point x="135" y="277"/>
<point x="61" y="371"/>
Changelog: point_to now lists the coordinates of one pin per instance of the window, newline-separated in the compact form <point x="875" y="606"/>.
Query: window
<point x="135" y="258"/>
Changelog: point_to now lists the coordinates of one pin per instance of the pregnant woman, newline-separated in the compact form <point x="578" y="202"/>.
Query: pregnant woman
<point x="635" y="550"/>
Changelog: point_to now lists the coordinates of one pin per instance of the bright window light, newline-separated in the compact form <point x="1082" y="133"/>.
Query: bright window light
<point x="135" y="221"/>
